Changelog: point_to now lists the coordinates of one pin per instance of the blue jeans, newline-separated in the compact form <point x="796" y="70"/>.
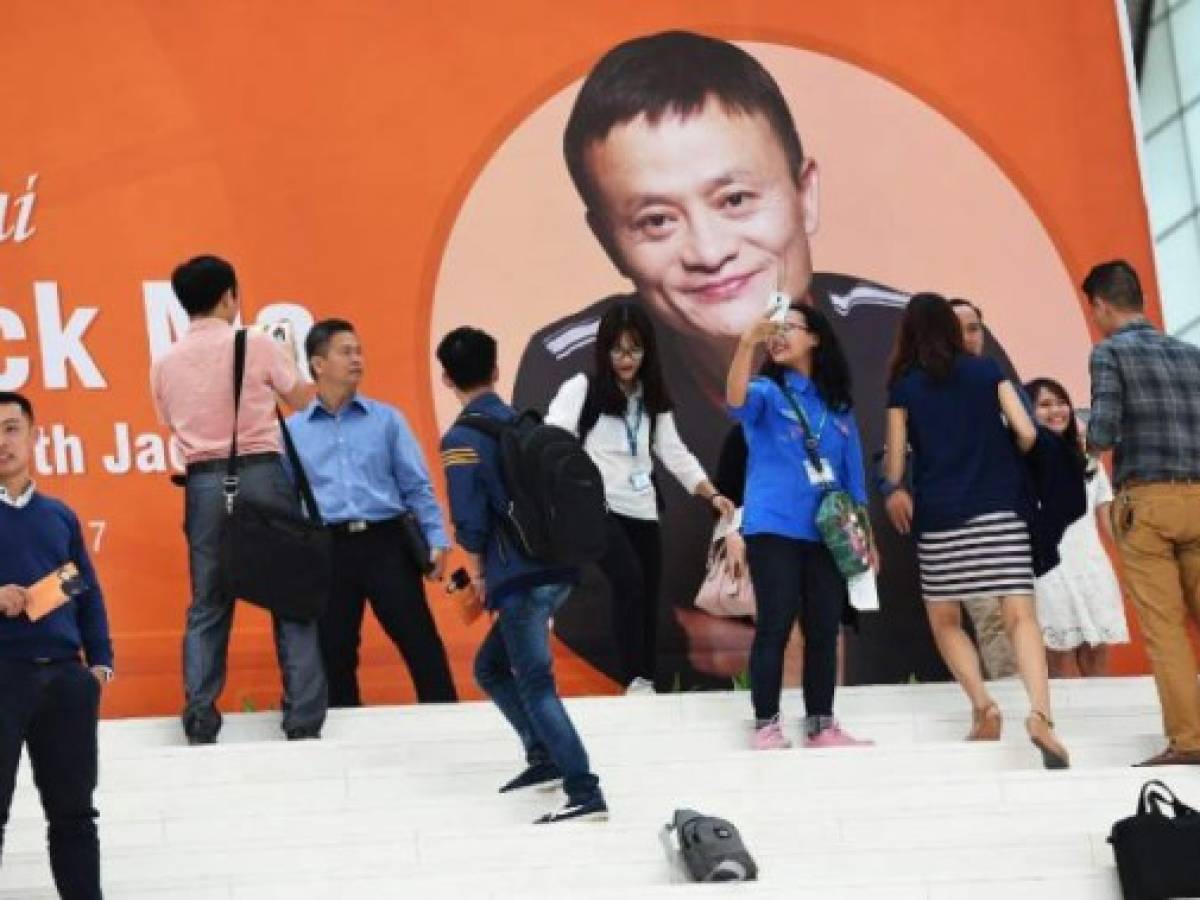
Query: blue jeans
<point x="210" y="615"/>
<point x="514" y="667"/>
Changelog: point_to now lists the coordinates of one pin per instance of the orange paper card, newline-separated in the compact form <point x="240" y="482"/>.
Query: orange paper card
<point x="53" y="591"/>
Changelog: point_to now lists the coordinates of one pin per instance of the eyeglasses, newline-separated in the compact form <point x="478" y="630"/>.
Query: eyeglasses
<point x="634" y="353"/>
<point x="789" y="327"/>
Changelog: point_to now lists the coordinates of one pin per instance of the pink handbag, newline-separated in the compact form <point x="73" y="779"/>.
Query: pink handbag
<point x="720" y="593"/>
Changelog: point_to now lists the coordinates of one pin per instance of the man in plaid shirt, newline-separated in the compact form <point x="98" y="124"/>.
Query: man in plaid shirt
<point x="1146" y="408"/>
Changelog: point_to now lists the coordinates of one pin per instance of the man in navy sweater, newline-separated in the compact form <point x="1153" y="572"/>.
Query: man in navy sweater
<point x="51" y="670"/>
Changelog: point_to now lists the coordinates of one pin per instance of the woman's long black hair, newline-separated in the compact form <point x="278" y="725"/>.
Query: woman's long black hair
<point x="604" y="393"/>
<point x="830" y="370"/>
<point x="1071" y="435"/>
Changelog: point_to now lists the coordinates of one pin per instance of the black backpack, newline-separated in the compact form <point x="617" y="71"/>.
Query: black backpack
<point x="556" y="505"/>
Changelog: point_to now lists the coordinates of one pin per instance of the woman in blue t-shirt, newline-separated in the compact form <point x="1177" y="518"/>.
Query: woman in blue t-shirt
<point x="803" y="388"/>
<point x="960" y="415"/>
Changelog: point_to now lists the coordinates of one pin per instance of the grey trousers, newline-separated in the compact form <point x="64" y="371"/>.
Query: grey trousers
<point x="210" y="615"/>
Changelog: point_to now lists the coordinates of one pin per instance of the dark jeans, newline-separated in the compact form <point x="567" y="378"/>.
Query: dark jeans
<point x="375" y="565"/>
<point x="514" y="667"/>
<point x="210" y="615"/>
<point x="51" y="709"/>
<point x="632" y="563"/>
<point x="794" y="578"/>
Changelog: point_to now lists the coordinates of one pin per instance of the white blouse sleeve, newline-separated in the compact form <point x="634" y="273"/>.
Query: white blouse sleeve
<point x="567" y="405"/>
<point x="678" y="459"/>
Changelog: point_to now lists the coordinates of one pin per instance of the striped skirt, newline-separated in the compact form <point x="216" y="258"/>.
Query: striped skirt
<point x="988" y="556"/>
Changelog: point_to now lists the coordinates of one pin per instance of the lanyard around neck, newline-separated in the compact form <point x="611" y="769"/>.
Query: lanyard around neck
<point x="812" y="436"/>
<point x="631" y="431"/>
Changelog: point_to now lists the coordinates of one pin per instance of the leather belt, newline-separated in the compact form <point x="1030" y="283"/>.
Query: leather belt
<point x="361" y="526"/>
<point x="243" y="462"/>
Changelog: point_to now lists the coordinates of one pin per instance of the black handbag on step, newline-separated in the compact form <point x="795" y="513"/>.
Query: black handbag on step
<point x="1158" y="853"/>
<point x="281" y="560"/>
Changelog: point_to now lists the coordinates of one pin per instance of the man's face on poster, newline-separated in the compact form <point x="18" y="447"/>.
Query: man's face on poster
<point x="703" y="215"/>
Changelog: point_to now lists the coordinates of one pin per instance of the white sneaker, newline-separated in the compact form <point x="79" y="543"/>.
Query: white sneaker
<point x="640" y="685"/>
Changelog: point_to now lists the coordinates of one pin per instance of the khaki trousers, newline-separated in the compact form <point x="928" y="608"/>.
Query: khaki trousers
<point x="1157" y="526"/>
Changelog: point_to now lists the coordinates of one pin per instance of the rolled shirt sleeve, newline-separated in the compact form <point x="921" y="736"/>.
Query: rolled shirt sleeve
<point x="412" y="478"/>
<point x="1104" y="420"/>
<point x="277" y="362"/>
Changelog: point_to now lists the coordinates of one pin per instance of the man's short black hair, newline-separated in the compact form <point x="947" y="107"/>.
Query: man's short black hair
<point x="468" y="356"/>
<point x="1117" y="283"/>
<point x="962" y="303"/>
<point x="319" y="336"/>
<point x="671" y="73"/>
<point x="201" y="282"/>
<point x="8" y="397"/>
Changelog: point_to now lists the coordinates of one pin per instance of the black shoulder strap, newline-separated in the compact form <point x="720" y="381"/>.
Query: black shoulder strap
<point x="239" y="374"/>
<point x="302" y="483"/>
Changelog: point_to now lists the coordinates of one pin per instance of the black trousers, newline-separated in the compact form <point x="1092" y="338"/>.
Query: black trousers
<point x="632" y="563"/>
<point x="51" y="709"/>
<point x="374" y="566"/>
<point x="794" y="579"/>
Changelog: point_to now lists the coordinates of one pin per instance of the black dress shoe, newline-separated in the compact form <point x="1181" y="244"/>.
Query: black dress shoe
<point x="303" y="734"/>
<point x="197" y="739"/>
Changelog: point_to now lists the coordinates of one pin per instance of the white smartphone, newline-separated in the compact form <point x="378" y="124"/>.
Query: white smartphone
<point x="777" y="306"/>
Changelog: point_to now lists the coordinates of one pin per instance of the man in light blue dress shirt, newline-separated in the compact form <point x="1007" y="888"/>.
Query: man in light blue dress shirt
<point x="368" y="475"/>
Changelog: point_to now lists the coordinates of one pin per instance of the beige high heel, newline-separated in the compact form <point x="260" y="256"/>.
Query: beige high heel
<point x="986" y="723"/>
<point x="1041" y="733"/>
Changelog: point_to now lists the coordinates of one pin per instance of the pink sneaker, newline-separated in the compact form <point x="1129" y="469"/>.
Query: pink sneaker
<point x="770" y="737"/>
<point x="834" y="736"/>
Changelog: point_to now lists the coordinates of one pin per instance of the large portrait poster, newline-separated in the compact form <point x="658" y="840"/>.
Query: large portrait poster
<point x="402" y="166"/>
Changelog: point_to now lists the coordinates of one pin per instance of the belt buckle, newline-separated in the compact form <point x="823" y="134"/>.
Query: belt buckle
<point x="356" y="527"/>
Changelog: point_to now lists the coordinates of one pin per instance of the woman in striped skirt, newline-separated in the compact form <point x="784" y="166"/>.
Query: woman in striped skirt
<point x="960" y="415"/>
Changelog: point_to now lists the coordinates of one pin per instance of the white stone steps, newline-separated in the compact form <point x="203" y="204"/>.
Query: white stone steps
<point x="402" y="801"/>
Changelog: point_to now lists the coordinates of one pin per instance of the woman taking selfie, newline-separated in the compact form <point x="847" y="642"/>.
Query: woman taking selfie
<point x="1079" y="601"/>
<point x="960" y="416"/>
<point x="622" y="414"/>
<point x="802" y="394"/>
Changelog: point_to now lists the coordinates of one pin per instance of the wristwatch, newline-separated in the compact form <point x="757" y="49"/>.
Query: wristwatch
<point x="105" y="672"/>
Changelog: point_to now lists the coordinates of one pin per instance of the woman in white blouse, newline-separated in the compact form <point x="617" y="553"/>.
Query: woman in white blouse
<point x="622" y="413"/>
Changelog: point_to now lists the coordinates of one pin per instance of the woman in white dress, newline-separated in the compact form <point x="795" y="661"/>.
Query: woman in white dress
<point x="1079" y="603"/>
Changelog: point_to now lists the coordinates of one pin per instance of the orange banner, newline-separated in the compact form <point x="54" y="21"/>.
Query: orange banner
<point x="401" y="165"/>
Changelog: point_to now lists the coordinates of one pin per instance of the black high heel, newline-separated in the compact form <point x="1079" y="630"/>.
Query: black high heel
<point x="1041" y="733"/>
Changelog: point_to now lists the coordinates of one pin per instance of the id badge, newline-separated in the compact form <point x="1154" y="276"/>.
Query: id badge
<point x="819" y="478"/>
<point x="640" y="482"/>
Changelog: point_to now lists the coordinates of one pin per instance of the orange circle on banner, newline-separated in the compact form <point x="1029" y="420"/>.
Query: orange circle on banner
<point x="907" y="200"/>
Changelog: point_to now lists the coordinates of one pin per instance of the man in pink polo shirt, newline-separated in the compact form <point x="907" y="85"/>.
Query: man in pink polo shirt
<point x="193" y="393"/>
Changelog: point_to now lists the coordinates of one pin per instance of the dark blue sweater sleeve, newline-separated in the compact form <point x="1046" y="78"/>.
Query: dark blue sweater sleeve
<point x="468" y="498"/>
<point x="90" y="612"/>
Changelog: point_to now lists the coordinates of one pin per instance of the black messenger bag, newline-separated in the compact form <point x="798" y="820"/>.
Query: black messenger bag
<point x="1158" y="847"/>
<point x="281" y="560"/>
